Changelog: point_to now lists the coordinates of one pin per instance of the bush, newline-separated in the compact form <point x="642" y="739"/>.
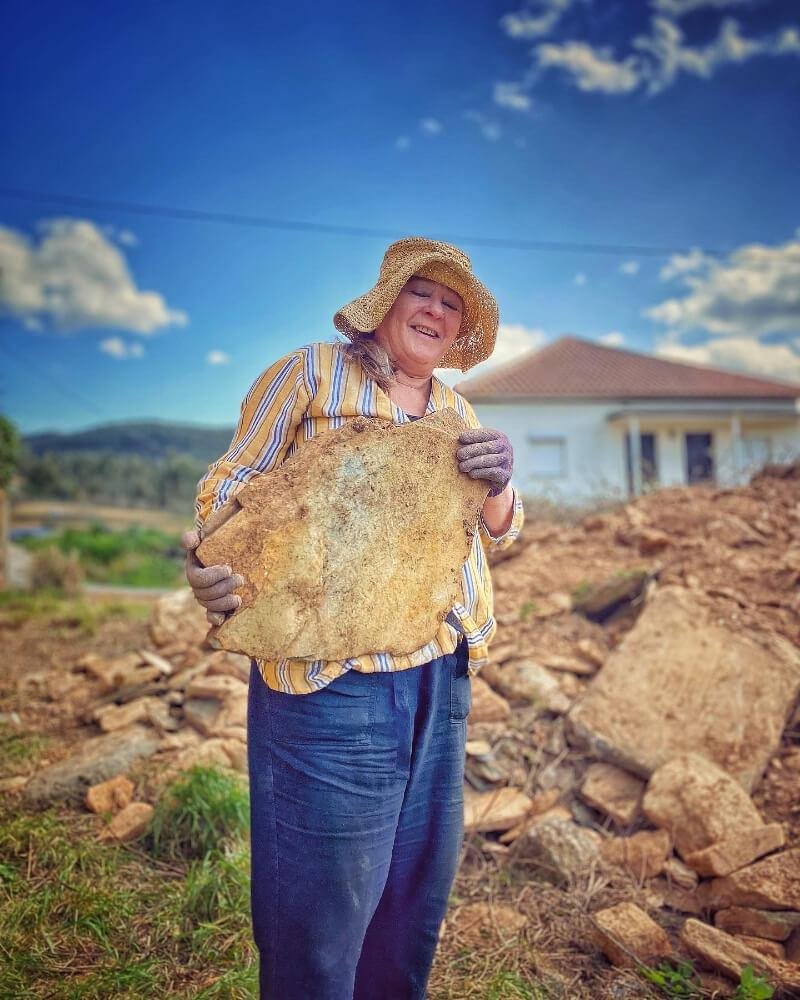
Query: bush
<point x="200" y="814"/>
<point x="55" y="570"/>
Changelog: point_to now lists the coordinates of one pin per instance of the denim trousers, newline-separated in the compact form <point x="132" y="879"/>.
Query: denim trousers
<point x="356" y="796"/>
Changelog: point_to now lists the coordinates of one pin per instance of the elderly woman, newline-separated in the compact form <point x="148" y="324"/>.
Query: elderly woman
<point x="356" y="767"/>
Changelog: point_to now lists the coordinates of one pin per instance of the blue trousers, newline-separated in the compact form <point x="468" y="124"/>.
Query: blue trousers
<point x="356" y="796"/>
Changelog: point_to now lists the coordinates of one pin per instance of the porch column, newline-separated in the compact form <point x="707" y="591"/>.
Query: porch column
<point x="635" y="439"/>
<point x="736" y="446"/>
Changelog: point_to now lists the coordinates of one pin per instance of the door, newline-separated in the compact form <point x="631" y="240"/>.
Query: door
<point x="699" y="458"/>
<point x="649" y="461"/>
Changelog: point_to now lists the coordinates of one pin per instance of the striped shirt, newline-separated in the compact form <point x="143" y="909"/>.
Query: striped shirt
<point x="315" y="389"/>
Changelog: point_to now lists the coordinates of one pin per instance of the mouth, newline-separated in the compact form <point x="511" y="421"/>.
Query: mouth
<point x="426" y="331"/>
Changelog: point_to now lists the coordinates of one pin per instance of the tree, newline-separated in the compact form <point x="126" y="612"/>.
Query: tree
<point x="9" y="456"/>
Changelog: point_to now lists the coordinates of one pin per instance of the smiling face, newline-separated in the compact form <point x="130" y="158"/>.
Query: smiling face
<point x="422" y="323"/>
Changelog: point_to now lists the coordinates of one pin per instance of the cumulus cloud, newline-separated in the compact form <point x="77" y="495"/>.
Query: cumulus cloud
<point x="630" y="267"/>
<point x="120" y="349"/>
<point x="755" y="291"/>
<point x="431" y="126"/>
<point x="217" y="358"/>
<point x="511" y="95"/>
<point x="677" y="8"/>
<point x="75" y="278"/>
<point x="513" y="341"/>
<point x="579" y="278"/>
<point x="591" y="69"/>
<point x="535" y="21"/>
<point x="489" y="129"/>
<point x="612" y="339"/>
<point x="746" y="354"/>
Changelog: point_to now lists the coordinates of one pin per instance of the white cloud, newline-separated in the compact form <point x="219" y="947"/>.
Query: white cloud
<point x="612" y="339"/>
<point x="630" y="267"/>
<point x="127" y="238"/>
<point x="756" y="291"/>
<point x="511" y="95"/>
<point x="75" y="278"/>
<point x="489" y="129"/>
<point x="536" y="21"/>
<point x="402" y="142"/>
<point x="677" y="8"/>
<point x="431" y="126"/>
<point x="120" y="349"/>
<point x="579" y="278"/>
<point x="513" y="341"/>
<point x="746" y="354"/>
<point x="217" y="358"/>
<point x="788" y="41"/>
<point x="591" y="69"/>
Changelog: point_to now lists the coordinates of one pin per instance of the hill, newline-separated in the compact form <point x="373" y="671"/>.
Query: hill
<point x="153" y="440"/>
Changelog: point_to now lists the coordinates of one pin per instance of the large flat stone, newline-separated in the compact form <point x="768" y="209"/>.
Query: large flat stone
<point x="353" y="545"/>
<point x="770" y="884"/>
<point x="680" y="682"/>
<point x="99" y="758"/>
<point x="728" y="955"/>
<point x="628" y="937"/>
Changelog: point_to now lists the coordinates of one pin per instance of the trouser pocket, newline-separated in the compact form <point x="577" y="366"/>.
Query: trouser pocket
<point x="460" y="686"/>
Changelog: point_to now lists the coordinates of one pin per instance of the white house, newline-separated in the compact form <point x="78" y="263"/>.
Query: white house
<point x="588" y="421"/>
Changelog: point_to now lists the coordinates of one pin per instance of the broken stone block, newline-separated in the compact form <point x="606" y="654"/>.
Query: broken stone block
<point x="570" y="665"/>
<point x="527" y="680"/>
<point x="772" y="949"/>
<point x="674" y="897"/>
<point x="487" y="705"/>
<point x="129" y="824"/>
<point x="773" y="924"/>
<point x="614" y="792"/>
<point x="770" y="884"/>
<point x="202" y="713"/>
<point x="178" y="620"/>
<point x="698" y="802"/>
<point x="109" y="796"/>
<point x="628" y="937"/>
<point x="496" y="810"/>
<point x="723" y="953"/>
<point x="215" y="686"/>
<point x="232" y="714"/>
<point x="476" y="925"/>
<point x="676" y="684"/>
<point x="643" y="854"/>
<point x="679" y="873"/>
<point x="159" y="662"/>
<point x="210" y="753"/>
<point x="230" y="665"/>
<point x="736" y="851"/>
<point x="792" y="947"/>
<point x="113" y="717"/>
<point x="383" y="504"/>
<point x="98" y="758"/>
<point x="560" y="849"/>
<point x="591" y="651"/>
<point x="603" y="600"/>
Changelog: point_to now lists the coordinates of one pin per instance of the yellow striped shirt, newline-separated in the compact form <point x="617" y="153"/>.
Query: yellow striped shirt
<point x="311" y="390"/>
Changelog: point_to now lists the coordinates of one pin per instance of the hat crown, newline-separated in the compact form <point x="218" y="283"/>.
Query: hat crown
<point x="413" y="246"/>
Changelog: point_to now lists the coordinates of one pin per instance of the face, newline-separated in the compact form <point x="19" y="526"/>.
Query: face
<point x="421" y="325"/>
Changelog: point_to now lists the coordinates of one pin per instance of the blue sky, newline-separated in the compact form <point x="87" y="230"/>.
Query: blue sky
<point x="672" y="125"/>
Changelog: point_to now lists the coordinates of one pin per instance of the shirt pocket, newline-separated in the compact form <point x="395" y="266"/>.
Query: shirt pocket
<point x="341" y="714"/>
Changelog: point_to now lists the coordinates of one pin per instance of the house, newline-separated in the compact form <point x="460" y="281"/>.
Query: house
<point x="590" y="421"/>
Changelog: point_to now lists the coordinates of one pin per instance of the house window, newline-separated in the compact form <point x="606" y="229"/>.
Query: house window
<point x="548" y="457"/>
<point x="648" y="458"/>
<point x="700" y="458"/>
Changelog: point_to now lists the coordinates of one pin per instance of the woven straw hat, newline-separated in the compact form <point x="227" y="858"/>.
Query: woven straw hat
<point x="439" y="262"/>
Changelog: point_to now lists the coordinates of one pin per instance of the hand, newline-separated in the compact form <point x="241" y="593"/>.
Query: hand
<point x="486" y="454"/>
<point x="213" y="586"/>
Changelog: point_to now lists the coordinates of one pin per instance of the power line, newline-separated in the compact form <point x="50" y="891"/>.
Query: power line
<point x="266" y="222"/>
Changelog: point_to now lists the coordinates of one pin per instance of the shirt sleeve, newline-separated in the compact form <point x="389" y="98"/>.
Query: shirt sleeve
<point x="270" y="414"/>
<point x="490" y="541"/>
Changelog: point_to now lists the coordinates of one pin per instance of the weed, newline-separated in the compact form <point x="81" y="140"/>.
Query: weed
<point x="527" y="609"/>
<point x="199" y="814"/>
<point x="49" y="607"/>
<point x="582" y="590"/>
<point x="752" y="987"/>
<point x="676" y="981"/>
<point x="508" y="985"/>
<point x="19" y="751"/>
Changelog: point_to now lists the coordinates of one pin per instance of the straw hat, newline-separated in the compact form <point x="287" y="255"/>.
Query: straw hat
<point x="439" y="262"/>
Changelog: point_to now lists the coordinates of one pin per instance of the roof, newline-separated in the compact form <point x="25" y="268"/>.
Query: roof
<point x="572" y="368"/>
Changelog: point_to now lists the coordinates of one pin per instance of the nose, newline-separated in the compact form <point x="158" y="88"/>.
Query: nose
<point x="436" y="306"/>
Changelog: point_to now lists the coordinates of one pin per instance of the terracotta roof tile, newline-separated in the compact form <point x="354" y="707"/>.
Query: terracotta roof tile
<point x="571" y="367"/>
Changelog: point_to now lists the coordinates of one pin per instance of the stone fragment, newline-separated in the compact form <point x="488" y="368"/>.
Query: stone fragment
<point x="212" y="753"/>
<point x="770" y="884"/>
<point x="230" y="665"/>
<point x="674" y="897"/>
<point x="677" y="682"/>
<point x="614" y="792"/>
<point x="383" y="503"/>
<point x="487" y="705"/>
<point x="792" y="947"/>
<point x="109" y="796"/>
<point x="177" y="618"/>
<point x="773" y="924"/>
<point x="527" y="680"/>
<point x="232" y="714"/>
<point x="215" y="686"/>
<point x="98" y="758"/>
<point x="560" y="849"/>
<point x="476" y="925"/>
<point x="698" y="802"/>
<point x="496" y="810"/>
<point x="111" y="673"/>
<point x="202" y="713"/>
<point x="159" y="662"/>
<point x="736" y="851"/>
<point x="643" y="854"/>
<point x="603" y="600"/>
<point x="129" y="824"/>
<point x="591" y="651"/>
<point x="723" y="953"/>
<point x="679" y="873"/>
<point x="772" y="949"/>
<point x="628" y="937"/>
<point x="113" y="717"/>
<point x="569" y="664"/>
<point x="159" y="715"/>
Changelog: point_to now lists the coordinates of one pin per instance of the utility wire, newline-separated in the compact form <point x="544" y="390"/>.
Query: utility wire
<point x="266" y="222"/>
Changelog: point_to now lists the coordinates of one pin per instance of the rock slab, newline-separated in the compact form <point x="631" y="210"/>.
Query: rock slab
<point x="770" y="884"/>
<point x="677" y="683"/>
<point x="628" y="937"/>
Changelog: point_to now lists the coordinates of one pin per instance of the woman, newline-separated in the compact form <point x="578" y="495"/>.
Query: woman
<point x="356" y="767"/>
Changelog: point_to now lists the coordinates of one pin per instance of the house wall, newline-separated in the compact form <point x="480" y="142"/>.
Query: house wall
<point x="594" y="449"/>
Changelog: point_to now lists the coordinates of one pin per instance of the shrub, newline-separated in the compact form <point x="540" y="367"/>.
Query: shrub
<point x="55" y="570"/>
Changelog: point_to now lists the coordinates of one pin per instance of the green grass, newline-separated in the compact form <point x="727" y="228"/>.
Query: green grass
<point x="19" y="751"/>
<point x="135" y="556"/>
<point x="81" y="919"/>
<point x="76" y="614"/>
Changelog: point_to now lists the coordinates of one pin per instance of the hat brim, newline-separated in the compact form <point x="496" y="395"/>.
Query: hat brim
<point x="478" y="332"/>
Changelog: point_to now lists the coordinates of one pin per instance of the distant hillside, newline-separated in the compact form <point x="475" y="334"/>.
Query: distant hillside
<point x="151" y="440"/>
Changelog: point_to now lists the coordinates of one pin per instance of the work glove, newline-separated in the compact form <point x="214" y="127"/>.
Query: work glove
<point x="213" y="586"/>
<point x="486" y="454"/>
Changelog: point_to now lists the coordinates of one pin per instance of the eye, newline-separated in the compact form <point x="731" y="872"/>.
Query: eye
<point x="420" y="293"/>
<point x="451" y="305"/>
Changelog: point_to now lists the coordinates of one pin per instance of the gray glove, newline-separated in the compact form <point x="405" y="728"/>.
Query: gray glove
<point x="213" y="586"/>
<point x="486" y="454"/>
